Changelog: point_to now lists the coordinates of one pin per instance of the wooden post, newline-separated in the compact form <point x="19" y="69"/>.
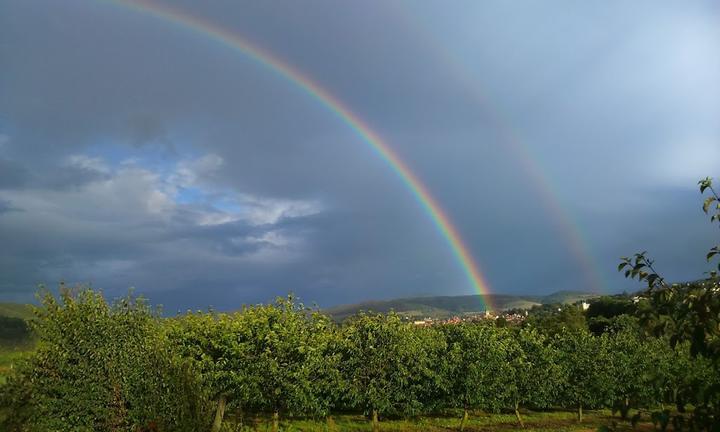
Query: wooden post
<point x="219" y="413"/>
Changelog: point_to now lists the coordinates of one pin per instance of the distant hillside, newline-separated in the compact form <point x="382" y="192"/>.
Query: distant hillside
<point x="447" y="306"/>
<point x="16" y="310"/>
<point x="15" y="332"/>
<point x="567" y="297"/>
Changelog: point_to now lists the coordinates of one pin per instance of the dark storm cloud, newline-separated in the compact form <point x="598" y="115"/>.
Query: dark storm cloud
<point x="144" y="155"/>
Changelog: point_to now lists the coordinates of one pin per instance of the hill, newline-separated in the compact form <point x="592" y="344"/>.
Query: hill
<point x="16" y="310"/>
<point x="15" y="332"/>
<point x="448" y="306"/>
<point x="567" y="297"/>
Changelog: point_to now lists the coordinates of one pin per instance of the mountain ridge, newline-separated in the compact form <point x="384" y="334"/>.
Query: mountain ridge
<point x="447" y="306"/>
<point x="421" y="306"/>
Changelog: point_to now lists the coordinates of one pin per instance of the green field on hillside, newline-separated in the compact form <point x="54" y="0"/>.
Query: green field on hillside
<point x="16" y="310"/>
<point x="13" y="346"/>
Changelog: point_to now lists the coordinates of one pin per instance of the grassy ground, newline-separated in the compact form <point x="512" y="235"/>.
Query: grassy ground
<point x="12" y="347"/>
<point x="9" y="355"/>
<point x="534" y="422"/>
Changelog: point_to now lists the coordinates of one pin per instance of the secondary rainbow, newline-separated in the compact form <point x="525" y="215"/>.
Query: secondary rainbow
<point x="540" y="182"/>
<point x="238" y="44"/>
<point x="531" y="164"/>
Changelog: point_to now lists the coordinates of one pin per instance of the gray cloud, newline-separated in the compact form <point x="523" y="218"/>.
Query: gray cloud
<point x="12" y="174"/>
<point x="143" y="155"/>
<point x="6" y="206"/>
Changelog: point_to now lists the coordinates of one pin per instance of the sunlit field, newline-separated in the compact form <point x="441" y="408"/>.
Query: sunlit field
<point x="479" y="422"/>
<point x="8" y="357"/>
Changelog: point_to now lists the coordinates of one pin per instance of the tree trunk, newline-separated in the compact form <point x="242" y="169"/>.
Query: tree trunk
<point x="464" y="420"/>
<point x="625" y="409"/>
<point x="240" y="417"/>
<point x="219" y="413"/>
<point x="517" y="414"/>
<point x="375" y="424"/>
<point x="330" y="424"/>
<point x="276" y="421"/>
<point x="580" y="419"/>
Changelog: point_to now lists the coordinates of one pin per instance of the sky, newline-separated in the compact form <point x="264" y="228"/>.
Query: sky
<point x="556" y="135"/>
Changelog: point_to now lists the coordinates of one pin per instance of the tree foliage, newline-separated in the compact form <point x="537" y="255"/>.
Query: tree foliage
<point x="554" y="319"/>
<point x="478" y="356"/>
<point x="584" y="360"/>
<point x="102" y="367"/>
<point x="389" y="365"/>
<point x="687" y="315"/>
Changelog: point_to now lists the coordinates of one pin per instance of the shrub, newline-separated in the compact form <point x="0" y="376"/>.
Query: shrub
<point x="101" y="367"/>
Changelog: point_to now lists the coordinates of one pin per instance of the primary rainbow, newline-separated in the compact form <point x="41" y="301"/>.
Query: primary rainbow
<point x="231" y="40"/>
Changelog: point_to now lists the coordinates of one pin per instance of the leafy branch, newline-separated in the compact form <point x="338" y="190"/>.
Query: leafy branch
<point x="640" y="267"/>
<point x="685" y="313"/>
<point x="711" y="207"/>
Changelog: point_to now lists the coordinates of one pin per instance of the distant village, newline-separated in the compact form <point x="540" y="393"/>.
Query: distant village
<point x="511" y="316"/>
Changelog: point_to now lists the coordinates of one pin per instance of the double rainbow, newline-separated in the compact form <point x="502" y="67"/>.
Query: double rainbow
<point x="233" y="41"/>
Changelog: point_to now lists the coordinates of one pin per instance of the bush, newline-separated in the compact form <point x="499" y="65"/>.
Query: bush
<point x="101" y="367"/>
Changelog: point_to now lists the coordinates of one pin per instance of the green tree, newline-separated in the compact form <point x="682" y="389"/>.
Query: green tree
<point x="553" y="319"/>
<point x="534" y="372"/>
<point x="289" y="353"/>
<point x="479" y="371"/>
<point x="584" y="363"/>
<point x="281" y="358"/>
<point x="604" y="312"/>
<point x="686" y="313"/>
<point x="329" y="386"/>
<point x="100" y="367"/>
<point x="386" y="363"/>
<point x="429" y="370"/>
<point x="223" y="359"/>
<point x="631" y="371"/>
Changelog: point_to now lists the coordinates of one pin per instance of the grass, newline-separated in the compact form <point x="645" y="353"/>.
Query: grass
<point x="549" y="421"/>
<point x="12" y="350"/>
<point x="9" y="355"/>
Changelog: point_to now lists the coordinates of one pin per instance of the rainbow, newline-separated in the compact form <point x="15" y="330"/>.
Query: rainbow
<point x="540" y="182"/>
<point x="531" y="166"/>
<point x="231" y="40"/>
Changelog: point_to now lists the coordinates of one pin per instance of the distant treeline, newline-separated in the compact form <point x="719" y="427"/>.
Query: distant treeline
<point x="14" y="331"/>
<point x="121" y="367"/>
